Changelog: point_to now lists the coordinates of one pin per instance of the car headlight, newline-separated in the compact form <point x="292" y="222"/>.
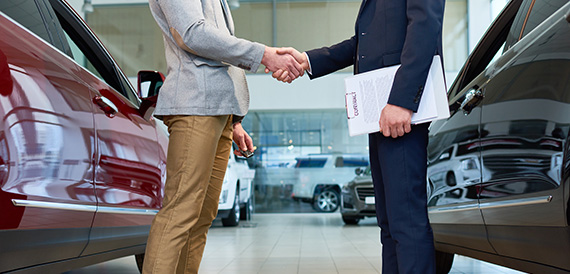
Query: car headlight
<point x="468" y="164"/>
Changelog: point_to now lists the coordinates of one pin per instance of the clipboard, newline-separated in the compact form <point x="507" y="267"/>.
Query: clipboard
<point x="367" y="94"/>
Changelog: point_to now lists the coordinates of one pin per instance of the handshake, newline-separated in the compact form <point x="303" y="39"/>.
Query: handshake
<point x="286" y="64"/>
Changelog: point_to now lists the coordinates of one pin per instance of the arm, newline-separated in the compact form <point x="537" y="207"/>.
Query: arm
<point x="423" y="33"/>
<point x="193" y="34"/>
<point x="330" y="59"/>
<point x="321" y="61"/>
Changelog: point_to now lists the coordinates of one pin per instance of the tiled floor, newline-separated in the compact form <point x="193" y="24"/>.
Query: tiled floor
<point x="293" y="243"/>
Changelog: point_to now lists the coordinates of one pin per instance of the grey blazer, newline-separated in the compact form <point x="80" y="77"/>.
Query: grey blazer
<point x="205" y="60"/>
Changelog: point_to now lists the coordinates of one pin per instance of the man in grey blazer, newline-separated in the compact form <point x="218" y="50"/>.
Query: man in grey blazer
<point x="202" y="101"/>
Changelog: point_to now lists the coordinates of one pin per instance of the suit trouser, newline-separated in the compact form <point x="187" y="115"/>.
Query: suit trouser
<point x="399" y="175"/>
<point x="198" y="154"/>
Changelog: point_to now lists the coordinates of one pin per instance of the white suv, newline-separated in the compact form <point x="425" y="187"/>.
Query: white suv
<point x="322" y="176"/>
<point x="236" y="198"/>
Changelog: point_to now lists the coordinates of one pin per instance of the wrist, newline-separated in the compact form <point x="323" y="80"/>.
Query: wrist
<point x="267" y="55"/>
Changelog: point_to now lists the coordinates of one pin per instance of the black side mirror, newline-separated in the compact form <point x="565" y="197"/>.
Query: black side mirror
<point x="149" y="83"/>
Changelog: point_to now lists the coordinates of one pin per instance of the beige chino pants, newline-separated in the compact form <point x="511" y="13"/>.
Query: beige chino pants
<point x="198" y="153"/>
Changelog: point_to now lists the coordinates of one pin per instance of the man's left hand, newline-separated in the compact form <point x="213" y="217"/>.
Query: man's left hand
<point x="395" y="121"/>
<point x="242" y="139"/>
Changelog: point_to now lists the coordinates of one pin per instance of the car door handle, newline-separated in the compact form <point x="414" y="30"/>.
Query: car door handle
<point x="472" y="99"/>
<point x="106" y="106"/>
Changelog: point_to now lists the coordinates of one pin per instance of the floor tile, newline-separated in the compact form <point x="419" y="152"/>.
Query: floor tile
<point x="309" y="243"/>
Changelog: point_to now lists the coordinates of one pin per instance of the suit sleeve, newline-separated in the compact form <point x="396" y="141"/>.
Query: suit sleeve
<point x="330" y="59"/>
<point x="186" y="20"/>
<point x="423" y="35"/>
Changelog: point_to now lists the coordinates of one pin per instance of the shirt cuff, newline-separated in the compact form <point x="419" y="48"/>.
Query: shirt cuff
<point x="310" y="70"/>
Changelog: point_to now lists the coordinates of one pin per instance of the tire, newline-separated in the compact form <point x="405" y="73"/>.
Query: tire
<point x="247" y="210"/>
<point x="443" y="262"/>
<point x="327" y="201"/>
<point x="140" y="261"/>
<point x="234" y="216"/>
<point x="350" y="220"/>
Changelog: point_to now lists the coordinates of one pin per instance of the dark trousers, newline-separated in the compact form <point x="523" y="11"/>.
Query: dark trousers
<point x="399" y="175"/>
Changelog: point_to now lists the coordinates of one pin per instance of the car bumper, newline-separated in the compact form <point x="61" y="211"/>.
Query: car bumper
<point x="355" y="204"/>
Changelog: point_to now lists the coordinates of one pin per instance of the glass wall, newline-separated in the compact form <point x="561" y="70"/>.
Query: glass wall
<point x="285" y="141"/>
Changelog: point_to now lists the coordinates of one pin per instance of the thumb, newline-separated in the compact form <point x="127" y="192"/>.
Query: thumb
<point x="285" y="50"/>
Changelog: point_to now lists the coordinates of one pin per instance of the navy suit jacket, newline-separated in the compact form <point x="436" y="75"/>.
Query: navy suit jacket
<point x="389" y="32"/>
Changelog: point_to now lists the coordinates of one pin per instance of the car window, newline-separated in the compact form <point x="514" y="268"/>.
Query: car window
<point x="27" y="13"/>
<point x="79" y="57"/>
<point x="539" y="11"/>
<point x="38" y="17"/>
<point x="531" y="14"/>
<point x="488" y="49"/>
<point x="311" y="162"/>
<point x="353" y="162"/>
<point x="515" y="31"/>
<point x="88" y="52"/>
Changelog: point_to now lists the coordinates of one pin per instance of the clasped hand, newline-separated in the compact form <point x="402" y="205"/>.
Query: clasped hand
<point x="286" y="64"/>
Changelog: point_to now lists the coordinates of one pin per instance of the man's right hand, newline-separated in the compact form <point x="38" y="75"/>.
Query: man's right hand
<point x="285" y="63"/>
<point x="301" y="58"/>
<point x="395" y="121"/>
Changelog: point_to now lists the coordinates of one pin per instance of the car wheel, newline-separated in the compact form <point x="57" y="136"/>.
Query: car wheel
<point x="350" y="220"/>
<point x="443" y="262"/>
<point x="140" y="261"/>
<point x="247" y="210"/>
<point x="327" y="201"/>
<point x="233" y="218"/>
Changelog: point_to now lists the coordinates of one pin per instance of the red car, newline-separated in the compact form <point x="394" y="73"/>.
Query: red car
<point x="82" y="160"/>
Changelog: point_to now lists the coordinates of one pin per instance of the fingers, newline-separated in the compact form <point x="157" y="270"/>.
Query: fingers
<point x="286" y="59"/>
<point x="242" y="144"/>
<point x="249" y="143"/>
<point x="407" y="128"/>
<point x="286" y="50"/>
<point x="395" y="121"/>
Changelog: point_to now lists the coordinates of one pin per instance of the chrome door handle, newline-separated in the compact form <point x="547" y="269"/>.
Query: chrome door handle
<point x="106" y="106"/>
<point x="472" y="99"/>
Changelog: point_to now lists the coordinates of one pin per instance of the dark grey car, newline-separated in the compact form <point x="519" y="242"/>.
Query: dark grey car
<point x="505" y="146"/>
<point x="357" y="198"/>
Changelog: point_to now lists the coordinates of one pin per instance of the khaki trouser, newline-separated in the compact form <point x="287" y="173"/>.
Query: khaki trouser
<point x="198" y="153"/>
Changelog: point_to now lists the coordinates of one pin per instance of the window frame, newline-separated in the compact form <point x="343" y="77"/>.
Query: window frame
<point x="491" y="41"/>
<point x="72" y="25"/>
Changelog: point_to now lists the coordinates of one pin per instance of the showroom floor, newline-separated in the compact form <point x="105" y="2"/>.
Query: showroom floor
<point x="293" y="243"/>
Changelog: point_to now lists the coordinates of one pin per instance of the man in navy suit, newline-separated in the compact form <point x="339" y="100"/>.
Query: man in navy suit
<point x="390" y="32"/>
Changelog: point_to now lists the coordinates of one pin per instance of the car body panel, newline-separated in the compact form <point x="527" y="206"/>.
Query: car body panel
<point x="74" y="180"/>
<point x="519" y="141"/>
<point x="47" y="115"/>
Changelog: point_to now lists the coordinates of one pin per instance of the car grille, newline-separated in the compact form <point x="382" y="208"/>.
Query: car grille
<point x="363" y="192"/>
<point x="517" y="162"/>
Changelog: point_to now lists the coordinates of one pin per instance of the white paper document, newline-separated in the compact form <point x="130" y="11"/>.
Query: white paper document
<point x="367" y="94"/>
